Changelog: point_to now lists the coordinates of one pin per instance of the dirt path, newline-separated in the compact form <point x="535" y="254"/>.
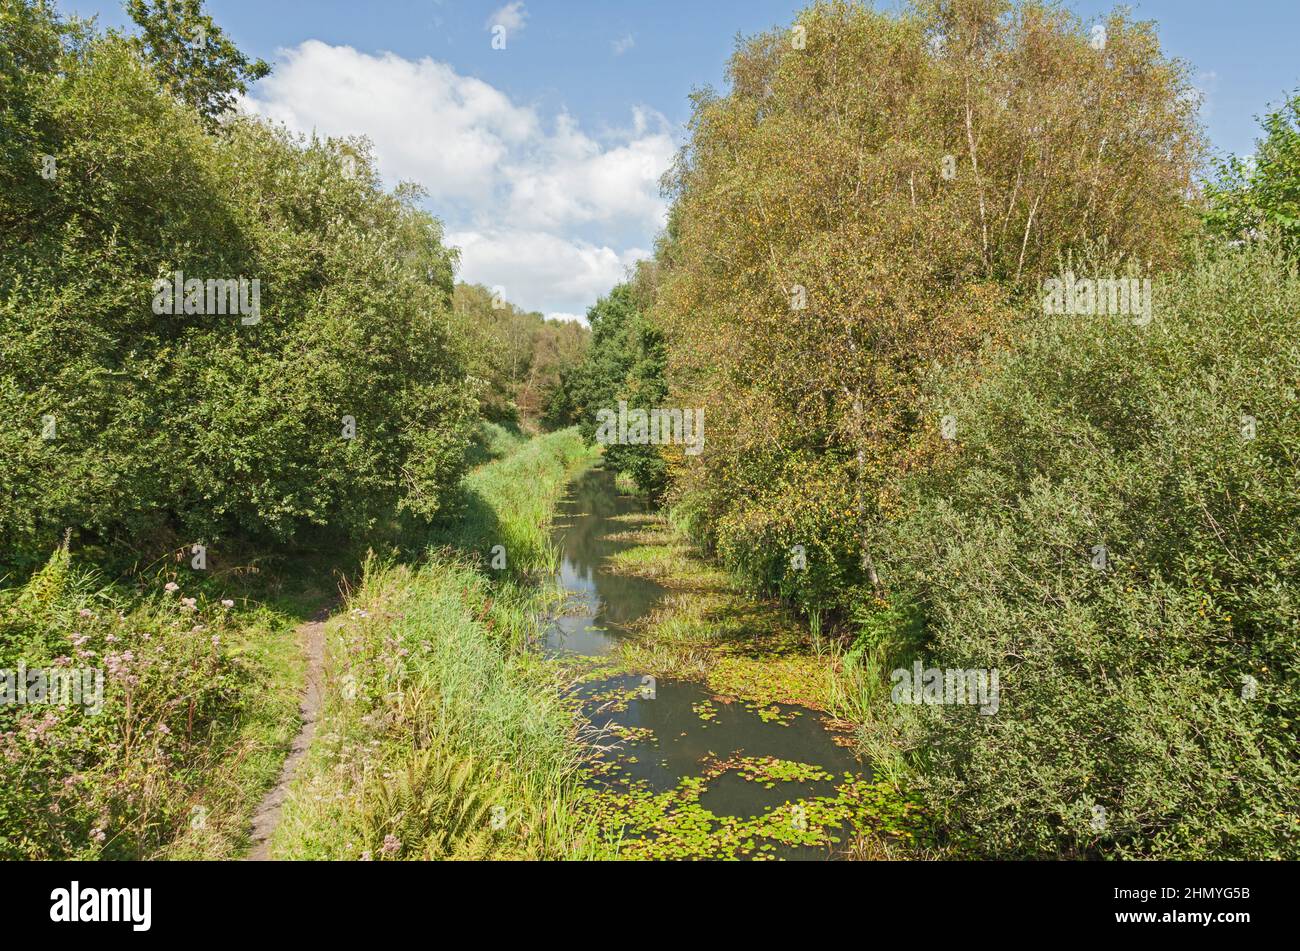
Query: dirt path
<point x="267" y="816"/>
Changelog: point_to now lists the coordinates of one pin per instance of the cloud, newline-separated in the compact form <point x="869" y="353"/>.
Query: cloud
<point x="538" y="266"/>
<point x="539" y="204"/>
<point x="623" y="44"/>
<point x="571" y="178"/>
<point x="1206" y="84"/>
<point x="511" y="16"/>
<point x="447" y="131"/>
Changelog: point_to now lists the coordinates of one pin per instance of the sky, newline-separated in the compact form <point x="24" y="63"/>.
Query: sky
<point x="543" y="158"/>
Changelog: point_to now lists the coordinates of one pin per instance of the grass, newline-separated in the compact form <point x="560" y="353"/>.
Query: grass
<point x="443" y="733"/>
<point x="438" y="718"/>
<point x="200" y="703"/>
<point x="509" y="503"/>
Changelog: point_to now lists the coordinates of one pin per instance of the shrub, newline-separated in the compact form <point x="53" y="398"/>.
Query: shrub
<point x="1160" y="683"/>
<point x="191" y="427"/>
<point x="178" y="691"/>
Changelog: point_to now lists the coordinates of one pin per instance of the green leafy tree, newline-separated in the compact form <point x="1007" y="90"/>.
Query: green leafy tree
<point x="626" y="362"/>
<point x="518" y="357"/>
<point x="1259" y="196"/>
<point x="147" y="430"/>
<point x="193" y="56"/>
<point x="870" y="196"/>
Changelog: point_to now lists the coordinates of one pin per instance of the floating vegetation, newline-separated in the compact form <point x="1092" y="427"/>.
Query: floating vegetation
<point x="674" y="825"/>
<point x="705" y="710"/>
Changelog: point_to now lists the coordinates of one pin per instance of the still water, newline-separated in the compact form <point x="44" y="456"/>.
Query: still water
<point x="672" y="729"/>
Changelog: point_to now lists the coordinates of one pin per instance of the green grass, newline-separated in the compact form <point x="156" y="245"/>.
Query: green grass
<point x="510" y="502"/>
<point x="194" y="724"/>
<point x="494" y="441"/>
<point x="437" y="711"/>
<point x="439" y="715"/>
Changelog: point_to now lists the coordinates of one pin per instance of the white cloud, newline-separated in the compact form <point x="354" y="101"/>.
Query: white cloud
<point x="572" y="178"/>
<point x="428" y="123"/>
<point x="570" y="318"/>
<point x="537" y="266"/>
<point x="538" y="204"/>
<point x="623" y="44"/>
<point x="511" y="16"/>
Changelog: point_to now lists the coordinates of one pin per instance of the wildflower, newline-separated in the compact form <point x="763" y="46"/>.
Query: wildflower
<point x="189" y="603"/>
<point x="164" y="729"/>
<point x="227" y="603"/>
<point x="86" y="612"/>
<point x="99" y="835"/>
<point x="366" y="857"/>
<point x="392" y="844"/>
<point x="171" y="586"/>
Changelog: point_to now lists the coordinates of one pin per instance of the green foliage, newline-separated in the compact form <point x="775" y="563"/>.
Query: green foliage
<point x="1174" y="446"/>
<point x="519" y="358"/>
<point x="856" y="209"/>
<point x="1260" y="195"/>
<point x="191" y="703"/>
<point x="182" y="428"/>
<point x="192" y="55"/>
<point x="625" y="363"/>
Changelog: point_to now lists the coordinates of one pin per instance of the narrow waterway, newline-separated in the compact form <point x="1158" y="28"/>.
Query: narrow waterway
<point x="675" y="734"/>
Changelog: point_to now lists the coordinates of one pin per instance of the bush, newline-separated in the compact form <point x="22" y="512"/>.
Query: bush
<point x="172" y="429"/>
<point x="1161" y="683"/>
<point x="172" y="731"/>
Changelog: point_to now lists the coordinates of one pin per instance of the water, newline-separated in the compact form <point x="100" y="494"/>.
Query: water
<point x="666" y="735"/>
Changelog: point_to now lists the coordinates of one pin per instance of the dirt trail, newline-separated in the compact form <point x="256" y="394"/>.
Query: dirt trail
<point x="267" y="816"/>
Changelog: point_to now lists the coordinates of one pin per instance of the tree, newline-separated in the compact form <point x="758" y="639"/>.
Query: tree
<point x="518" y="357"/>
<point x="142" y="426"/>
<point x="624" y="363"/>
<point x="1259" y="196"/>
<point x="193" y="56"/>
<point x="872" y="195"/>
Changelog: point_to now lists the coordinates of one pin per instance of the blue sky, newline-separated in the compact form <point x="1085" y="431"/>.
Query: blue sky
<point x="542" y="158"/>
